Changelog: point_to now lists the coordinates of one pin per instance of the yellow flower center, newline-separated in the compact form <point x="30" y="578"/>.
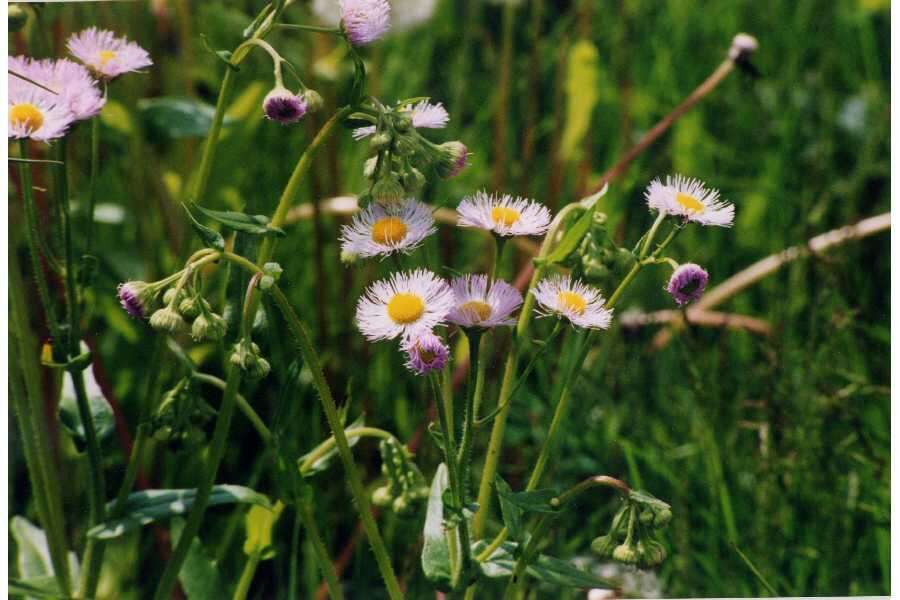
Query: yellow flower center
<point x="503" y="215"/>
<point x="26" y="115"/>
<point x="481" y="311"/>
<point x="572" y="302"/>
<point x="388" y="230"/>
<point x="106" y="56"/>
<point x="689" y="202"/>
<point x="405" y="308"/>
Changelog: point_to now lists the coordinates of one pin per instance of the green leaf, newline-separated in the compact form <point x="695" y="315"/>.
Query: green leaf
<point x="582" y="93"/>
<point x="512" y="514"/>
<point x="548" y="569"/>
<point x="210" y="237"/>
<point x="324" y="461"/>
<point x="33" y="554"/>
<point x="252" y="224"/>
<point x="149" y="506"/>
<point x="44" y="586"/>
<point x="533" y="501"/>
<point x="574" y="234"/>
<point x="200" y="576"/>
<point x="101" y="411"/>
<point x="178" y="118"/>
<point x="436" y="548"/>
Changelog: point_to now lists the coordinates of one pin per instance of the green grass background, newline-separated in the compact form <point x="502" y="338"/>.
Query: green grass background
<point x="775" y="446"/>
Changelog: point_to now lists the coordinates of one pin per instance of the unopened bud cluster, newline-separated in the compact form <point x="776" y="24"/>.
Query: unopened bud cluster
<point x="405" y="486"/>
<point x="180" y="307"/>
<point x="632" y="537"/>
<point x="180" y="419"/>
<point x="247" y="357"/>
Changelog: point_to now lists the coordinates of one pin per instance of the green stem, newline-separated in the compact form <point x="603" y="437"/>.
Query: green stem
<point x="243" y="586"/>
<point x="92" y="185"/>
<point x="305" y="513"/>
<point x="472" y="398"/>
<point x="298" y="27"/>
<point x="93" y="553"/>
<point x="243" y="405"/>
<point x="311" y="358"/>
<point x="212" y="138"/>
<point x="32" y="237"/>
<point x="290" y="190"/>
<point x="131" y="471"/>
<point x="216" y="452"/>
<point x="328" y="445"/>
<point x="26" y="396"/>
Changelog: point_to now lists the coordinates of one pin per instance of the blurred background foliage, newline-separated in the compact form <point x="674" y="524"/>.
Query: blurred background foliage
<point x="772" y="449"/>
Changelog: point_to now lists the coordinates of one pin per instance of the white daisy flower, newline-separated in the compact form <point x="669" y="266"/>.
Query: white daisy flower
<point x="424" y="115"/>
<point x="478" y="304"/>
<point x="383" y="230"/>
<point x="34" y="114"/>
<point x="503" y="214"/>
<point x="691" y="199"/>
<point x="407" y="304"/>
<point x="579" y="303"/>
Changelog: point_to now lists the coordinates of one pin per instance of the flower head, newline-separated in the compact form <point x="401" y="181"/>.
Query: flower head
<point x="365" y="21"/>
<point x="690" y="199"/>
<point x="167" y="319"/>
<point x="687" y="283"/>
<point x="423" y="115"/>
<point x="454" y="158"/>
<point x="579" y="303"/>
<point x="73" y="85"/>
<point x="284" y="106"/>
<point x="34" y="115"/>
<point x="503" y="214"/>
<point x="407" y="304"/>
<point x="105" y="54"/>
<point x="382" y="230"/>
<point x="425" y="353"/>
<point x="480" y="303"/>
<point x="135" y="297"/>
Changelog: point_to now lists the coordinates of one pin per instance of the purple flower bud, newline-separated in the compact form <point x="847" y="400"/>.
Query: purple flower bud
<point x="425" y="353"/>
<point x="284" y="106"/>
<point x="687" y="283"/>
<point x="455" y="159"/>
<point x="133" y="296"/>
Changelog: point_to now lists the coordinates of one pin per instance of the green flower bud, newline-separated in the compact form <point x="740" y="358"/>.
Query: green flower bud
<point x="620" y="522"/>
<point x="369" y="167"/>
<point x="190" y="306"/>
<point x="388" y="190"/>
<point x="603" y="546"/>
<point x="208" y="326"/>
<point x="314" y="100"/>
<point x="260" y="369"/>
<point x="624" y="553"/>
<point x="402" y="123"/>
<point x="169" y="296"/>
<point x="383" y="496"/>
<point x="348" y="257"/>
<point x="662" y="518"/>
<point x="650" y="553"/>
<point x="402" y="506"/>
<point x="380" y="141"/>
<point x="413" y="180"/>
<point x="167" y="319"/>
<point x="453" y="158"/>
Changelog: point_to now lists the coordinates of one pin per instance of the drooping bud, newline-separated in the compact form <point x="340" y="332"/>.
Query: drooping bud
<point x="284" y="106"/>
<point x="313" y="100"/>
<point x="624" y="553"/>
<point x="167" y="319"/>
<point x="687" y="283"/>
<point x="136" y="297"/>
<point x="650" y="553"/>
<point x="603" y="546"/>
<point x="380" y="141"/>
<point x="387" y="191"/>
<point x="246" y="356"/>
<point x="208" y="326"/>
<point x="191" y="306"/>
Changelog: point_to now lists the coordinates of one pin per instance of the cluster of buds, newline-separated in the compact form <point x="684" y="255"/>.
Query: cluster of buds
<point x="181" y="306"/>
<point x="402" y="156"/>
<point x="247" y="357"/>
<point x="597" y="259"/>
<point x="405" y="485"/>
<point x="632" y="536"/>
<point x="180" y="419"/>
